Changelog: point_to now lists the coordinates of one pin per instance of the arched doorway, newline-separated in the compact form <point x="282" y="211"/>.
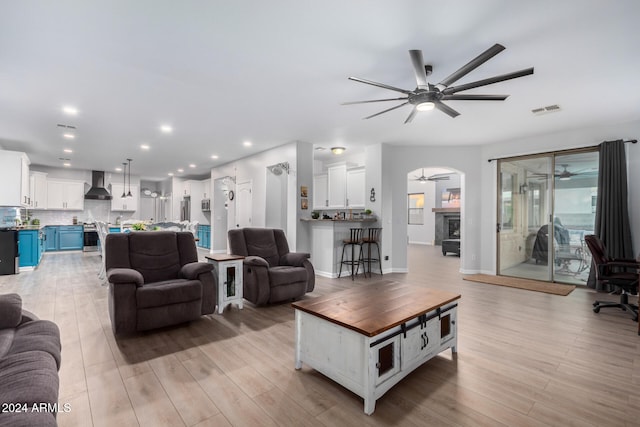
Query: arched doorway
<point x="433" y="213"/>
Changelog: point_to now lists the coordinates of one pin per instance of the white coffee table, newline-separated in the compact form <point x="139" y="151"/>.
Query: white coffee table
<point x="228" y="270"/>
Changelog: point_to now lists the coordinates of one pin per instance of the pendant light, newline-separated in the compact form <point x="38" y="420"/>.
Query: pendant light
<point x="124" y="180"/>
<point x="129" y="193"/>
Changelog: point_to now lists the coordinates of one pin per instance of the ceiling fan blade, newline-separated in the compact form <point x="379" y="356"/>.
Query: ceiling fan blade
<point x="382" y="85"/>
<point x="445" y="109"/>
<point x="474" y="97"/>
<point x="388" y="109"/>
<point x="484" y="82"/>
<point x="412" y="114"/>
<point x="473" y="64"/>
<point x="373" y="100"/>
<point x="418" y="69"/>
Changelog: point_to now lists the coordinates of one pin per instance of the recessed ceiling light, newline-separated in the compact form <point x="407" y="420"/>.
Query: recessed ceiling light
<point x="69" y="135"/>
<point x="144" y="147"/>
<point x="215" y="156"/>
<point x="192" y="165"/>
<point x="247" y="144"/>
<point x="166" y="129"/>
<point x="68" y="150"/>
<point x="72" y="111"/>
<point x="170" y="174"/>
<point x="118" y="169"/>
<point x="67" y="164"/>
<point x="180" y="170"/>
<point x="320" y="148"/>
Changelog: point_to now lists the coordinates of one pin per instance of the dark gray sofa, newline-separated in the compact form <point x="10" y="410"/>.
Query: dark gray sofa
<point x="29" y="363"/>
<point x="155" y="280"/>
<point x="271" y="273"/>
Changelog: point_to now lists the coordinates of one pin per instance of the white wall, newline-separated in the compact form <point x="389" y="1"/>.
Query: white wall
<point x="397" y="162"/>
<point x="253" y="168"/>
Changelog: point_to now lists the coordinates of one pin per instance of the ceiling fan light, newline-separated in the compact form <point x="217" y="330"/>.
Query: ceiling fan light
<point x="565" y="178"/>
<point x="337" y="150"/>
<point x="425" y="106"/>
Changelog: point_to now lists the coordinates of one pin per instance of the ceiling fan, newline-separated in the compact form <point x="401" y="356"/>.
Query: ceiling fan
<point x="563" y="175"/>
<point x="436" y="177"/>
<point x="426" y="96"/>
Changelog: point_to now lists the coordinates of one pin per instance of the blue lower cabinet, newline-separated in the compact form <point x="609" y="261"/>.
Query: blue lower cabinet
<point x="204" y="236"/>
<point x="114" y="229"/>
<point x="29" y="247"/>
<point x="70" y="237"/>
<point x="63" y="237"/>
<point x="51" y="238"/>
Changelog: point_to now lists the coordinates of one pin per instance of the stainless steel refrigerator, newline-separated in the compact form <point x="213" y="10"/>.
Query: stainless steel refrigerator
<point x="185" y="209"/>
<point x="9" y="251"/>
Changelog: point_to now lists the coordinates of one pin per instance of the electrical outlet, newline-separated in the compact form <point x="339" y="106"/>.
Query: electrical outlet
<point x="386" y="257"/>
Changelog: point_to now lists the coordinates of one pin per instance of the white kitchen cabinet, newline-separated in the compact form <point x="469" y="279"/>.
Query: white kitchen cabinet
<point x="14" y="174"/>
<point x="38" y="190"/>
<point x="206" y="189"/>
<point x="186" y="188"/>
<point x="65" y="195"/>
<point x="320" y="195"/>
<point x="336" y="186"/>
<point x="355" y="188"/>
<point x="345" y="187"/>
<point x="127" y="204"/>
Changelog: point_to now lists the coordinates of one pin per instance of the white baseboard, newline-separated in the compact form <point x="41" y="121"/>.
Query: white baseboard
<point x="421" y="243"/>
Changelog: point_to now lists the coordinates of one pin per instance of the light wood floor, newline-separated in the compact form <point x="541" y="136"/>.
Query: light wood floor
<point x="525" y="359"/>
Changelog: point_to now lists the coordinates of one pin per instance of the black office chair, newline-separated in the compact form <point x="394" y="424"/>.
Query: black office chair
<point x="620" y="273"/>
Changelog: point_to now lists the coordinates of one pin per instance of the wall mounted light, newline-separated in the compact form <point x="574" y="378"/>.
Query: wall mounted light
<point x="337" y="150"/>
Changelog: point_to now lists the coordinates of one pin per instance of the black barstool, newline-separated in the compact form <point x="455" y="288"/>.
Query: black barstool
<point x="355" y="239"/>
<point x="371" y="237"/>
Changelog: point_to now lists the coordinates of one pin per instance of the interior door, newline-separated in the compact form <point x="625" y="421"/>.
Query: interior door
<point x="243" y="204"/>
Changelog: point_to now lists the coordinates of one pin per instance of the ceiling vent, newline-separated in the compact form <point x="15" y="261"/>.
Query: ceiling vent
<point x="65" y="126"/>
<point x="544" y="110"/>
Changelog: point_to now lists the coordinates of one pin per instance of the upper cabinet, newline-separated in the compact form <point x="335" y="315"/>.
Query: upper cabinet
<point x="14" y="174"/>
<point x="38" y="190"/>
<point x="206" y="189"/>
<point x="355" y="188"/>
<point x="64" y="194"/>
<point x="345" y="188"/>
<point x="320" y="195"/>
<point x="336" y="187"/>
<point x="128" y="204"/>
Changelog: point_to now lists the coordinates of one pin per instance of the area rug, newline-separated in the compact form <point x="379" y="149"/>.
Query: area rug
<point x="528" y="284"/>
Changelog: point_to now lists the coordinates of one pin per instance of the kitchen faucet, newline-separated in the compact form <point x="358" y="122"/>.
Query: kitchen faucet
<point x="118" y="219"/>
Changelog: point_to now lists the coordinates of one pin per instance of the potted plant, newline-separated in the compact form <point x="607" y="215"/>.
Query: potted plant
<point x="315" y="214"/>
<point x="367" y="213"/>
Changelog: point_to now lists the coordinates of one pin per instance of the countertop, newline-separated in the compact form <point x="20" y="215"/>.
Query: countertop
<point x="339" y="220"/>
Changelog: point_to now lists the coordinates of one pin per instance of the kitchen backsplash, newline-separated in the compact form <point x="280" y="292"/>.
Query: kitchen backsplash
<point x="93" y="210"/>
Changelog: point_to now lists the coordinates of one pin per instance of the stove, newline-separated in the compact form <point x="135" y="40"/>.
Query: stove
<point x="91" y="241"/>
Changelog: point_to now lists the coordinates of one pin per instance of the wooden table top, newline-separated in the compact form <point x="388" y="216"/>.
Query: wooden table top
<point x="373" y="309"/>
<point x="223" y="257"/>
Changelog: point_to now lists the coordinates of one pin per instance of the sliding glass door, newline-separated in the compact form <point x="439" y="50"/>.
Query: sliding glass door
<point x="546" y="205"/>
<point x="524" y="200"/>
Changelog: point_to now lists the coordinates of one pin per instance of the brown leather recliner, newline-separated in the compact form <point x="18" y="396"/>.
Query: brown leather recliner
<point x="271" y="273"/>
<point x="155" y="280"/>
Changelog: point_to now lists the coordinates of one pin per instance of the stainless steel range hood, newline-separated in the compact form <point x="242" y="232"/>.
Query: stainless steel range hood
<point x="97" y="190"/>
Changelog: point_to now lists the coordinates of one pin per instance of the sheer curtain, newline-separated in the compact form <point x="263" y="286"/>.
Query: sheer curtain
<point x="612" y="215"/>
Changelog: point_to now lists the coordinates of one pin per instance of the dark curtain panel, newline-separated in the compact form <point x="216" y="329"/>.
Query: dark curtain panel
<point x="612" y="216"/>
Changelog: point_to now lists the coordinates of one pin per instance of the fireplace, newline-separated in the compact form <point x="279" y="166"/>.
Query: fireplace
<point x="447" y="226"/>
<point x="453" y="228"/>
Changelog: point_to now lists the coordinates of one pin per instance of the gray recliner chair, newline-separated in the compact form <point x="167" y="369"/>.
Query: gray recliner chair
<point x="271" y="273"/>
<point x="155" y="280"/>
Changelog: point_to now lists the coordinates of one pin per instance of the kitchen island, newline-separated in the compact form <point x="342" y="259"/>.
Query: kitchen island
<point x="326" y="242"/>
